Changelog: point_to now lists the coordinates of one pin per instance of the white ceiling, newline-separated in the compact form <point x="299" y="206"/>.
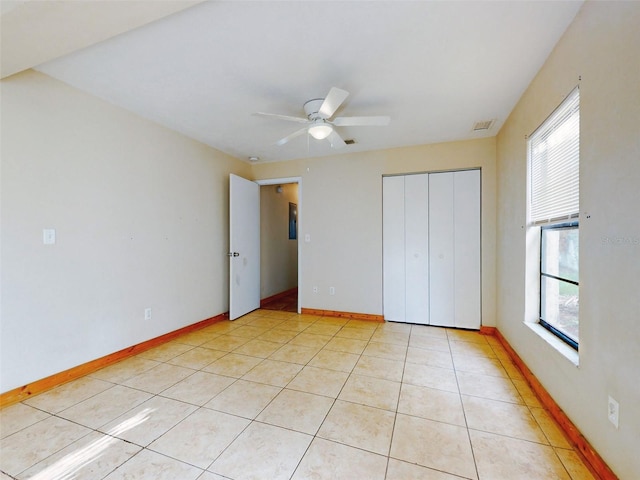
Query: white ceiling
<point x="435" y="68"/>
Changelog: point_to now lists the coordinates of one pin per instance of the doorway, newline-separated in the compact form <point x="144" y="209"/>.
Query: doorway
<point x="280" y="213"/>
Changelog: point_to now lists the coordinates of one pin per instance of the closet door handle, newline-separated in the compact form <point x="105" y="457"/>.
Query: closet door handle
<point x="233" y="254"/>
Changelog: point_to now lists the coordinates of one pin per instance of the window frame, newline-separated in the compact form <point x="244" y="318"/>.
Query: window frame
<point x="548" y="326"/>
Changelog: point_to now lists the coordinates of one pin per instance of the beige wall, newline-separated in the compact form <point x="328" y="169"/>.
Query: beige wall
<point x="342" y="212"/>
<point x="141" y="217"/>
<point x="278" y="254"/>
<point x="602" y="48"/>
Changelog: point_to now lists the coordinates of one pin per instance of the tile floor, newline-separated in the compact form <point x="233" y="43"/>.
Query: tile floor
<point x="276" y="395"/>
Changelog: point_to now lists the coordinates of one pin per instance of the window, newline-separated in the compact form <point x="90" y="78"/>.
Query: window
<point x="554" y="161"/>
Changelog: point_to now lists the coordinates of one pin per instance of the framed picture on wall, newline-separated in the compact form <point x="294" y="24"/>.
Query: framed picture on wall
<point x="293" y="221"/>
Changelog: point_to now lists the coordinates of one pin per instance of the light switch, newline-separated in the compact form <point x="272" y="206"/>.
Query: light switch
<point x="49" y="236"/>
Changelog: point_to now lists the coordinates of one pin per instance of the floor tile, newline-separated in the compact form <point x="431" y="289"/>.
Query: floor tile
<point x="299" y="411"/>
<point x="295" y="354"/>
<point x="363" y="324"/>
<point x="380" y="368"/>
<point x="431" y="404"/>
<point x="278" y="335"/>
<point x="483" y="350"/>
<point x="244" y="399"/>
<point x="457" y="335"/>
<point x="275" y="453"/>
<point x="89" y="458"/>
<point x="440" y="446"/>
<point x="359" y="426"/>
<point x="529" y="460"/>
<point x="68" y="394"/>
<point x="552" y="431"/>
<point x="528" y="396"/>
<point x="233" y="365"/>
<point x="374" y="392"/>
<point x="198" y="337"/>
<point x="332" y="360"/>
<point x="399" y="470"/>
<point x="429" y="343"/>
<point x="323" y="329"/>
<point x="105" y="407"/>
<point x="388" y="351"/>
<point x="18" y="416"/>
<point x="158" y="378"/>
<point x="432" y="377"/>
<point x="272" y="372"/>
<point x="348" y="345"/>
<point x="258" y="348"/>
<point x="433" y="358"/>
<point x="319" y="381"/>
<point x="196" y="358"/>
<point x="198" y="388"/>
<point x="355" y="333"/>
<point x="33" y="444"/>
<point x="149" y="420"/>
<point x="326" y="460"/>
<point x="483" y="366"/>
<point x="147" y="465"/>
<point x="249" y="331"/>
<point x="310" y="340"/>
<point x="502" y="418"/>
<point x="121" y="371"/>
<point x="226" y="343"/>
<point x="574" y="465"/>
<point x="429" y="331"/>
<point x="201" y="437"/>
<point x="165" y="352"/>
<point x="486" y="386"/>
<point x="394" y="338"/>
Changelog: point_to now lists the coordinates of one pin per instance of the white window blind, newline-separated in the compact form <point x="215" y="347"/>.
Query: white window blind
<point x="554" y="158"/>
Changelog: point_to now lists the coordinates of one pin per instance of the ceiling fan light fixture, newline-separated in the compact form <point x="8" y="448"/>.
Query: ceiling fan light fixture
<point x="320" y="131"/>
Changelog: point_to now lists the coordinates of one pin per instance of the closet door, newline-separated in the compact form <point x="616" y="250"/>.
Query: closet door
<point x="467" y="285"/>
<point x="441" y="249"/>
<point x="393" y="256"/>
<point x="416" y="227"/>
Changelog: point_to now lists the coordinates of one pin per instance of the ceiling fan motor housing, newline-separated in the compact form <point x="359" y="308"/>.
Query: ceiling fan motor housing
<point x="312" y="108"/>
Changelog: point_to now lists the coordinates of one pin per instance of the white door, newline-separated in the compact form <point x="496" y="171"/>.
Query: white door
<point x="467" y="249"/>
<point x="393" y="258"/>
<point x="441" y="249"/>
<point x="244" y="246"/>
<point x="416" y="244"/>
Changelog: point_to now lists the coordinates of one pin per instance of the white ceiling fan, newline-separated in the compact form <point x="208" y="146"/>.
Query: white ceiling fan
<point x="318" y="123"/>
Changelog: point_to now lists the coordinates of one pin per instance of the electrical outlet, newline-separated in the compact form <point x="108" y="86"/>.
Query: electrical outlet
<point x="332" y="290"/>
<point x="613" y="409"/>
<point x="147" y="314"/>
<point x="315" y="289"/>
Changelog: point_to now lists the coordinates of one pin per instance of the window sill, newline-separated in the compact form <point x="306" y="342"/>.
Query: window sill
<point x="562" y="348"/>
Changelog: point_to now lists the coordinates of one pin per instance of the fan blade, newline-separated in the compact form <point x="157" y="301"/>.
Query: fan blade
<point x="283" y="117"/>
<point x="336" y="140"/>
<point x="361" y="121"/>
<point x="332" y="102"/>
<point x="295" y="134"/>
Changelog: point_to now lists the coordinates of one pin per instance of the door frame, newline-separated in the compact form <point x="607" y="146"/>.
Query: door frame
<point x="284" y="181"/>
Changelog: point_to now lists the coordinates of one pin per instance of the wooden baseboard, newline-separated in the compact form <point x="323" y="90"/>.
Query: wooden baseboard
<point x="590" y="455"/>
<point x="277" y="296"/>
<point x="332" y="313"/>
<point x="490" y="331"/>
<point x="22" y="393"/>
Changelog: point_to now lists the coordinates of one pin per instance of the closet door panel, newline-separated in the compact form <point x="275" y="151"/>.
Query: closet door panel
<point x="416" y="194"/>
<point x="467" y="249"/>
<point x="393" y="251"/>
<point x="441" y="249"/>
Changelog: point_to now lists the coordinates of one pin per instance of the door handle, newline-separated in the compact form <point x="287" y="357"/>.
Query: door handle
<point x="233" y="254"/>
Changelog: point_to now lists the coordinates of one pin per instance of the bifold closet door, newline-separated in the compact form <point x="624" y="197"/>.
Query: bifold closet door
<point x="454" y="237"/>
<point x="467" y="285"/>
<point x="441" y="251"/>
<point x="393" y="257"/>
<point x="416" y="246"/>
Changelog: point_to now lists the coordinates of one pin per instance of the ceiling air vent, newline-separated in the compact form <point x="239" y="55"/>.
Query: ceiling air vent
<point x="350" y="141"/>
<point x="483" y="125"/>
